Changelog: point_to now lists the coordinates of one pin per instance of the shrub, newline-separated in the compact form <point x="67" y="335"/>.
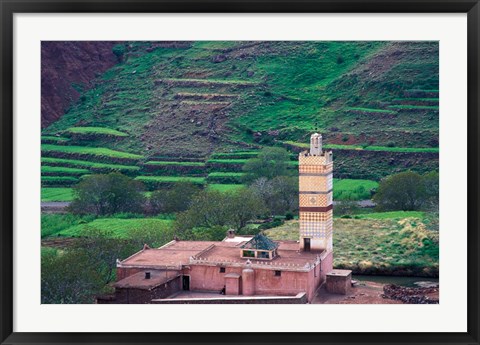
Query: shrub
<point x="107" y="194"/>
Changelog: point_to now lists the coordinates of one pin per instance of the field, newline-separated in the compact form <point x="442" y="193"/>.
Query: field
<point x="385" y="243"/>
<point x="75" y="226"/>
<point x="89" y="151"/>
<point x="225" y="187"/>
<point x="353" y="189"/>
<point x="230" y="109"/>
<point x="96" y="131"/>
<point x="57" y="194"/>
<point x="46" y="170"/>
<point x="389" y="243"/>
<point x="88" y="164"/>
<point x="198" y="180"/>
<point x="187" y="164"/>
<point x="343" y="189"/>
<point x="120" y="228"/>
<point x="367" y="148"/>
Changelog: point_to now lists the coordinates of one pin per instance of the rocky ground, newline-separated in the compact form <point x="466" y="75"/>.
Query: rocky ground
<point x="377" y="293"/>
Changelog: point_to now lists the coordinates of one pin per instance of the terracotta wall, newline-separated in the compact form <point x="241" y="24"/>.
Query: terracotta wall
<point x="290" y="300"/>
<point x="124" y="272"/>
<point x="141" y="296"/>
<point x="209" y="278"/>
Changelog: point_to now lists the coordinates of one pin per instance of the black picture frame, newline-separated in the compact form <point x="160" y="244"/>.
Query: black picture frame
<point x="9" y="8"/>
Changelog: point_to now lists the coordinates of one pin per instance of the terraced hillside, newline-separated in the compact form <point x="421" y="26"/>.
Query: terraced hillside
<point x="198" y="110"/>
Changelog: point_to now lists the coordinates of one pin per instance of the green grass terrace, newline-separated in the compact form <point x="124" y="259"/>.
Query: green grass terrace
<point x="90" y="151"/>
<point x="96" y="131"/>
<point x="88" y="164"/>
<point x="367" y="148"/>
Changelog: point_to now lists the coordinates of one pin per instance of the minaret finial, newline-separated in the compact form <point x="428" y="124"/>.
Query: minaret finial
<point x="316" y="144"/>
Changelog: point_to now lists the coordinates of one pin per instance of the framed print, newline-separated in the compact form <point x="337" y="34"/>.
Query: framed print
<point x="239" y="172"/>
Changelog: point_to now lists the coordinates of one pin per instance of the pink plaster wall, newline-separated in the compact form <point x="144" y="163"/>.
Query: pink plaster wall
<point x="209" y="278"/>
<point x="232" y="286"/>
<point x="124" y="272"/>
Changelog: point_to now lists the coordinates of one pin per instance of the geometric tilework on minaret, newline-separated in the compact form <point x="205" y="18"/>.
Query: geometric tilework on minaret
<point x="316" y="197"/>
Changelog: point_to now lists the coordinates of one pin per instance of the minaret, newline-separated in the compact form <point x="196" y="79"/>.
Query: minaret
<point x="316" y="197"/>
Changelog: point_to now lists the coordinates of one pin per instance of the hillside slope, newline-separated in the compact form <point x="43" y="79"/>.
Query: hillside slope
<point x="67" y="69"/>
<point x="189" y="100"/>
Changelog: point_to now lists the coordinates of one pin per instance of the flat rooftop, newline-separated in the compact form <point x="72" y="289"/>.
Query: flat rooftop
<point x="339" y="273"/>
<point x="175" y="254"/>
<point x="138" y="281"/>
<point x="199" y="296"/>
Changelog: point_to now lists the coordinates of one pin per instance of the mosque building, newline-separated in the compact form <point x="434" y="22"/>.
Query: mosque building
<point x="245" y="269"/>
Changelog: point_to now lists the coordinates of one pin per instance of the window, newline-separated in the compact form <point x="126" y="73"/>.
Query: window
<point x="262" y="255"/>
<point x="248" y="254"/>
<point x="278" y="273"/>
<point x="222" y="269"/>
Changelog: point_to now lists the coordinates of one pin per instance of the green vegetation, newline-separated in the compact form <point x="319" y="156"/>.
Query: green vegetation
<point x="88" y="164"/>
<point x="198" y="180"/>
<point x="52" y="138"/>
<point x="225" y="177"/>
<point x="175" y="199"/>
<point x="347" y="189"/>
<point x="368" y="148"/>
<point x="187" y="164"/>
<point x="96" y="131"/>
<point x="408" y="191"/>
<point x="235" y="155"/>
<point x="52" y="224"/>
<point x="248" y="103"/>
<point x="414" y="107"/>
<point x="270" y="163"/>
<point x="116" y="228"/>
<point x="225" y="188"/>
<point x="63" y="170"/>
<point x="90" y="151"/>
<point x="57" y="194"/>
<point x="157" y="182"/>
<point x="210" y="209"/>
<point x="107" y="194"/>
<point x="208" y="81"/>
<point x="228" y="161"/>
<point x="392" y="215"/>
<point x="385" y="244"/>
<point x="59" y="179"/>
<point x="370" y="110"/>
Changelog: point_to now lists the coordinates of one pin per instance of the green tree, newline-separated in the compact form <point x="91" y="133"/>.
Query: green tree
<point x="176" y="199"/>
<point x="212" y="209"/>
<point x="285" y="195"/>
<point x="243" y="205"/>
<point x="207" y="209"/>
<point x="215" y="233"/>
<point x="69" y="277"/>
<point x="103" y="251"/>
<point x="406" y="191"/>
<point x="432" y="188"/>
<point x="279" y="195"/>
<point x="270" y="162"/>
<point x="107" y="194"/>
<point x="119" y="51"/>
<point x="153" y="236"/>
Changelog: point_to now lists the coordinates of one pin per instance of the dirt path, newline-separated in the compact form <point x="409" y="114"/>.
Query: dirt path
<point x="54" y="206"/>
<point x="369" y="293"/>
